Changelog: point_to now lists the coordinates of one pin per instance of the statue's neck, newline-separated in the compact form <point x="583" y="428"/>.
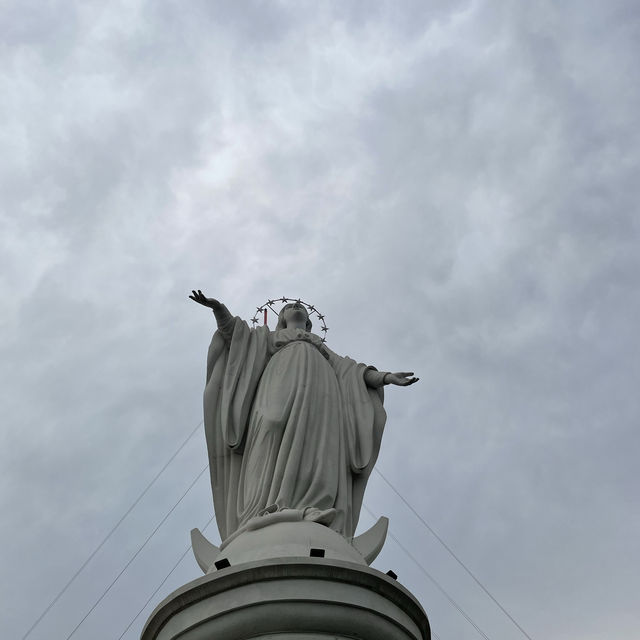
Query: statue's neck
<point x="300" y="324"/>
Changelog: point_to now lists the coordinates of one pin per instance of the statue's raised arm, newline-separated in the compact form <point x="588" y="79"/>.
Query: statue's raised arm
<point x="200" y="298"/>
<point x="220" y="311"/>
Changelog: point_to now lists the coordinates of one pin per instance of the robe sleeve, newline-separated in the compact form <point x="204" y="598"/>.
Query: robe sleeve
<point x="234" y="368"/>
<point x="365" y="419"/>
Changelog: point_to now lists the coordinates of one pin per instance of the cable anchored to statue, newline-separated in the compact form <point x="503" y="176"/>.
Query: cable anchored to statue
<point x="175" y="566"/>
<point x="135" y="555"/>
<point x="112" y="530"/>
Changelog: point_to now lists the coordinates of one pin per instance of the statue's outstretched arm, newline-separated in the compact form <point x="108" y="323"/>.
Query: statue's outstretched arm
<point x="376" y="379"/>
<point x="220" y="311"/>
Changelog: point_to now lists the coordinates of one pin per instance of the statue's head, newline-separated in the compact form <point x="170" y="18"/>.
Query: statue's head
<point x="290" y="311"/>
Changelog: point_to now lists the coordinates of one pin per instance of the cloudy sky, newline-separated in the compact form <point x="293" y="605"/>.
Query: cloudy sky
<point x="454" y="184"/>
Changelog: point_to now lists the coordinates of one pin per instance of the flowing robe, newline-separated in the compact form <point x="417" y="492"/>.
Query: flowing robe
<point x="288" y="423"/>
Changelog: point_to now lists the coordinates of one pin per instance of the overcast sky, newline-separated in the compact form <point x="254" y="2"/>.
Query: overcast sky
<point x="455" y="185"/>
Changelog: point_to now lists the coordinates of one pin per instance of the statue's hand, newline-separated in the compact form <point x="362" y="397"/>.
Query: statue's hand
<point x="401" y="379"/>
<point x="200" y="298"/>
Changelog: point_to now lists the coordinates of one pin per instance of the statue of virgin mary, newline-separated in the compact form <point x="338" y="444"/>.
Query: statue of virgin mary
<point x="291" y="427"/>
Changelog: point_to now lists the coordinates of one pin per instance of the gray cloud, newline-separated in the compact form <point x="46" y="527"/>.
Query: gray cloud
<point x="454" y="185"/>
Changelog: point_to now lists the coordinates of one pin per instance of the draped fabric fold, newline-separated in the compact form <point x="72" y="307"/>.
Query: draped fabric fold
<point x="289" y="425"/>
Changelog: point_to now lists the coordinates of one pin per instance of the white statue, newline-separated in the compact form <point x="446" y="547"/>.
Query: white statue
<point x="292" y="428"/>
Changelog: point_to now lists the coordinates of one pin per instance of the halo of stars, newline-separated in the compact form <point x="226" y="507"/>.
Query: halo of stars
<point x="311" y="309"/>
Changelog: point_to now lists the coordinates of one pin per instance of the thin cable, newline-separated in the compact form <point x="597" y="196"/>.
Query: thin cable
<point x="95" y="551"/>
<point x="454" y="556"/>
<point x="434" y="581"/>
<point x="441" y="589"/>
<point x="135" y="555"/>
<point x="175" y="566"/>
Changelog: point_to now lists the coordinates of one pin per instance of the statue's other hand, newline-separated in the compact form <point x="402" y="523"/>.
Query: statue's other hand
<point x="200" y="298"/>
<point x="401" y="378"/>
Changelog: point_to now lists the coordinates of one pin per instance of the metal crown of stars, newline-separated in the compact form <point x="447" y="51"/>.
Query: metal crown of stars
<point x="268" y="305"/>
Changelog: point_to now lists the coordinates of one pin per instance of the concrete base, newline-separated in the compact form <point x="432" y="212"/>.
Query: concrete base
<point x="290" y="598"/>
<point x="286" y="540"/>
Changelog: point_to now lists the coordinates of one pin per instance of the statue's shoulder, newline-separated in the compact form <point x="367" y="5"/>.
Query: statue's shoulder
<point x="285" y="336"/>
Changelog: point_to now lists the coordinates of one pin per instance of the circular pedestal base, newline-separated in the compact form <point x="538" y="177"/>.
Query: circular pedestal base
<point x="287" y="598"/>
<point x="289" y="539"/>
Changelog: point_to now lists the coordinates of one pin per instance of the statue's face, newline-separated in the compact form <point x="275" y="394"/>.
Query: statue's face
<point x="295" y="313"/>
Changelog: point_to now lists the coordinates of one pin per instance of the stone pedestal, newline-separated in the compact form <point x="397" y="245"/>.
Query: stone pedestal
<point x="287" y="598"/>
<point x="288" y="580"/>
